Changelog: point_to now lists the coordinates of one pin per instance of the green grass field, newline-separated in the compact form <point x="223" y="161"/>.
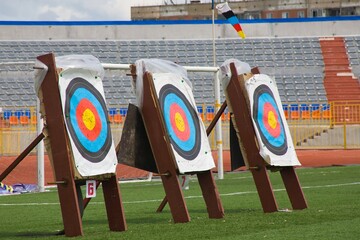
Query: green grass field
<point x="333" y="196"/>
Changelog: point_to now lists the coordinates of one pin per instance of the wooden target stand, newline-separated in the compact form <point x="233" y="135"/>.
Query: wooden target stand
<point x="63" y="166"/>
<point x="237" y="97"/>
<point x="165" y="160"/>
<point x="208" y="131"/>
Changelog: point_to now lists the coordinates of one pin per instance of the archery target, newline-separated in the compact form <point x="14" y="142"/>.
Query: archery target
<point x="272" y="131"/>
<point x="185" y="129"/>
<point x="181" y="122"/>
<point x="87" y="123"/>
<point x="268" y="120"/>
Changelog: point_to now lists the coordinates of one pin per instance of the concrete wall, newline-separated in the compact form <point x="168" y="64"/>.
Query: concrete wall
<point x="176" y="29"/>
<point x="245" y="9"/>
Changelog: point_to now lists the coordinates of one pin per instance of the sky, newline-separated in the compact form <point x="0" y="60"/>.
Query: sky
<point x="72" y="10"/>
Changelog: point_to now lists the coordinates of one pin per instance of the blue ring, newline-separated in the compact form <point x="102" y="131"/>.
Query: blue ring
<point x="93" y="151"/>
<point x="190" y="149"/>
<point x="278" y="141"/>
<point x="174" y="99"/>
<point x="91" y="146"/>
<point x="262" y="95"/>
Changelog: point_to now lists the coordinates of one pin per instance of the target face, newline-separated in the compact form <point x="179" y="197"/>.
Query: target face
<point x="182" y="122"/>
<point x="268" y="120"/>
<point x="86" y="117"/>
<point x="87" y="120"/>
<point x="185" y="132"/>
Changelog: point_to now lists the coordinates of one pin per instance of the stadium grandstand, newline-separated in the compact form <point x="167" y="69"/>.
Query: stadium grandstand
<point x="314" y="61"/>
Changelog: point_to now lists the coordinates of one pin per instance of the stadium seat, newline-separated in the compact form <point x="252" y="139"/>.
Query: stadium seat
<point x="286" y="110"/>
<point x="276" y="55"/>
<point x="118" y="118"/>
<point x="19" y="113"/>
<point x="7" y="114"/>
<point x="225" y="116"/>
<point x="305" y="111"/>
<point x="123" y="112"/>
<point x="13" y="120"/>
<point x="315" y="111"/>
<point x="24" y="120"/>
<point x="210" y="113"/>
<point x="112" y="112"/>
<point x="200" y="112"/>
<point x="326" y="113"/>
<point x="294" y="112"/>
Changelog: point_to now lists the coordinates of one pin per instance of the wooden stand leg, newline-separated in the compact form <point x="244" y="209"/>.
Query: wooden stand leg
<point x="162" y="205"/>
<point x="210" y="194"/>
<point x="113" y="203"/>
<point x="80" y="198"/>
<point x="175" y="198"/>
<point x="293" y="188"/>
<point x="70" y="210"/>
<point x="264" y="188"/>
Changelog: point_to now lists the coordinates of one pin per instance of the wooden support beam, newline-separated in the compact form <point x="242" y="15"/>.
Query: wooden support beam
<point x="164" y="157"/>
<point x="293" y="188"/>
<point x="21" y="157"/>
<point x="246" y="131"/>
<point x="54" y="122"/>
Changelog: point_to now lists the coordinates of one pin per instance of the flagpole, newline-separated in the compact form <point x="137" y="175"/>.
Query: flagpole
<point x="213" y="32"/>
<point x="218" y="127"/>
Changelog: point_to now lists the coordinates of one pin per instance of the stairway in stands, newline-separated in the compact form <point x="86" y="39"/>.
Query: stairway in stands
<point x="342" y="87"/>
<point x="339" y="81"/>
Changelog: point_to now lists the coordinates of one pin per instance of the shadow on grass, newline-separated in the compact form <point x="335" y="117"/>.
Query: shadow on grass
<point x="132" y="220"/>
<point x="35" y="234"/>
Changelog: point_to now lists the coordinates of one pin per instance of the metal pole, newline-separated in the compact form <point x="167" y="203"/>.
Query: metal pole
<point x="218" y="128"/>
<point x="213" y="35"/>
<point x="40" y="151"/>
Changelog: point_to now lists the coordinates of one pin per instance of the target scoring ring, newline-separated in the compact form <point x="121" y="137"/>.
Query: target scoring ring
<point x="268" y="120"/>
<point x="181" y="121"/>
<point x="87" y="120"/>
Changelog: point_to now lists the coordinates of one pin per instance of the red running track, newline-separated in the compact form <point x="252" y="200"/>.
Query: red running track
<point x="26" y="171"/>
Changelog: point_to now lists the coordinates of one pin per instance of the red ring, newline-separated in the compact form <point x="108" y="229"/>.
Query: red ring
<point x="275" y="132"/>
<point x="182" y="135"/>
<point x="83" y="105"/>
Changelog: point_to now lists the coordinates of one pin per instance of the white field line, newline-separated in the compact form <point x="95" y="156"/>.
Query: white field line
<point x="188" y="197"/>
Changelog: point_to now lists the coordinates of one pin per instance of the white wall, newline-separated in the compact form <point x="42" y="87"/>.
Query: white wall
<point x="177" y="31"/>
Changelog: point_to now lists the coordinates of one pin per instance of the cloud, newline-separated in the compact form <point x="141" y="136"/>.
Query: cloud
<point x="61" y="10"/>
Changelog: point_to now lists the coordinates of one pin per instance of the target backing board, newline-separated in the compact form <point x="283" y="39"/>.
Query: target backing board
<point x="86" y="119"/>
<point x="272" y="131"/>
<point x="185" y="129"/>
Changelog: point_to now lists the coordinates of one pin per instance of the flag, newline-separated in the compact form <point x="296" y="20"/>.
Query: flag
<point x="226" y="11"/>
